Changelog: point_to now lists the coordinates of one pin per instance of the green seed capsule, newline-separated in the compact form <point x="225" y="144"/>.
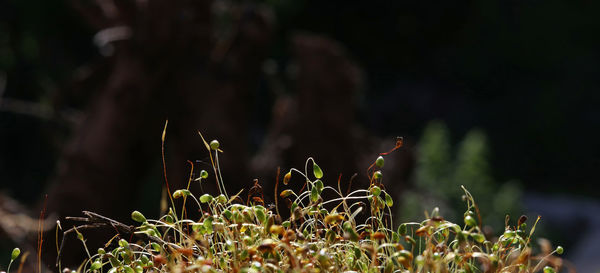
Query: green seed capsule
<point x="388" y="200"/>
<point x="317" y="171"/>
<point x="319" y="185"/>
<point x="375" y="190"/>
<point x="214" y="145"/>
<point x="377" y="175"/>
<point x="205" y="198"/>
<point x="128" y="269"/>
<point x="177" y="194"/>
<point x="560" y="250"/>
<point x="203" y="174"/>
<point x="15" y="253"/>
<point x="156" y="247"/>
<point x="470" y="221"/>
<point x="144" y="259"/>
<point x="123" y="243"/>
<point x="478" y="237"/>
<point x="495" y="247"/>
<point x="208" y="226"/>
<point x="286" y="193"/>
<point x="379" y="162"/>
<point x="420" y="260"/>
<point x="509" y="234"/>
<point x="456" y="228"/>
<point x="95" y="265"/>
<point x="221" y="199"/>
<point x="406" y="254"/>
<point x="287" y="177"/>
<point x="227" y="214"/>
<point x="138" y="217"/>
<point x="314" y="194"/>
<point x="402" y="229"/>
<point x="549" y="269"/>
<point x="347" y="226"/>
<point x="260" y="214"/>
<point x="101" y="251"/>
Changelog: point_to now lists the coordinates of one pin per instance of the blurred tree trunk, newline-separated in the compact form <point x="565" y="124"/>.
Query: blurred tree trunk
<point x="166" y="62"/>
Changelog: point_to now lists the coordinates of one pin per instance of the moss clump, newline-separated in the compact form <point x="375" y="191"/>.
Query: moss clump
<point x="320" y="235"/>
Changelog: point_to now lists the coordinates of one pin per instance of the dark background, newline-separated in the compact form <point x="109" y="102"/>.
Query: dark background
<point x="525" y="72"/>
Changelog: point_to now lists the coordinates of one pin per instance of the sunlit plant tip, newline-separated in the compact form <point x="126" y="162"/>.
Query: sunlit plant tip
<point x="379" y="162"/>
<point x="214" y="145"/>
<point x="15" y="253"/>
<point x="470" y="221"/>
<point x="377" y="175"/>
<point x="287" y="177"/>
<point x="138" y="217"/>
<point x="317" y="171"/>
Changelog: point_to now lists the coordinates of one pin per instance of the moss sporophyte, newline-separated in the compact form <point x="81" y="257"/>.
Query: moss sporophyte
<point x="351" y="232"/>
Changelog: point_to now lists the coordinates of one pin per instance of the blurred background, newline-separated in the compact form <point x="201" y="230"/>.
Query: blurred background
<point x="499" y="96"/>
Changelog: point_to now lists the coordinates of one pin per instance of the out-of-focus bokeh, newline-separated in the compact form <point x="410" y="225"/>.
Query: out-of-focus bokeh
<point x="499" y="96"/>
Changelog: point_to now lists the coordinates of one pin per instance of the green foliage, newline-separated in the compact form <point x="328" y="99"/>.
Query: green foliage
<point x="320" y="235"/>
<point x="439" y="175"/>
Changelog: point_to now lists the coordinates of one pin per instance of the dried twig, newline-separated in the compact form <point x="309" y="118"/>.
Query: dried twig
<point x="94" y="221"/>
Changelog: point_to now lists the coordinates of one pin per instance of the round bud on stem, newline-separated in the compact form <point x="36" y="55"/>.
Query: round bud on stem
<point x="214" y="145"/>
<point x="317" y="171"/>
<point x="379" y="162"/>
<point x="15" y="253"/>
<point x="96" y="265"/>
<point x="138" y="217"/>
<point x="203" y="174"/>
<point x="377" y="175"/>
<point x="123" y="243"/>
<point x="470" y="221"/>
<point x="287" y="177"/>
<point x="375" y="190"/>
<point x="560" y="250"/>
